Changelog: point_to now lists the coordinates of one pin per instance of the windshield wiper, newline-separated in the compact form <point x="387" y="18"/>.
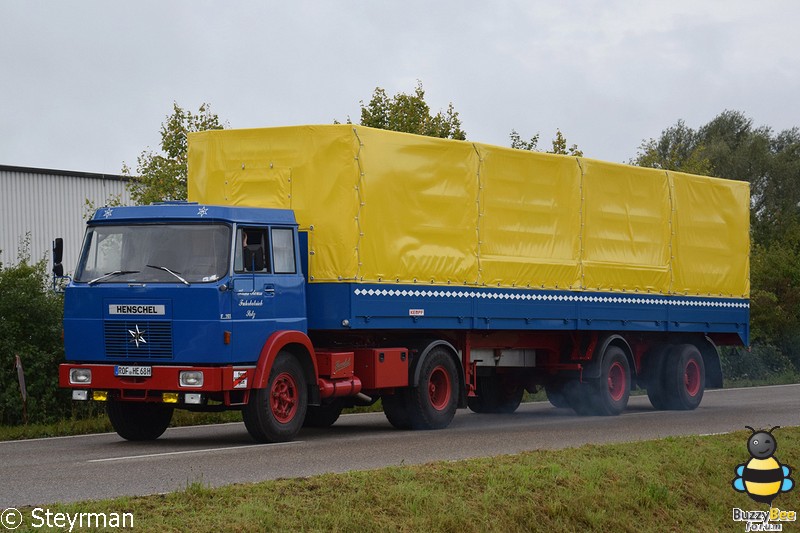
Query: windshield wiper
<point x="165" y="269"/>
<point x="112" y="274"/>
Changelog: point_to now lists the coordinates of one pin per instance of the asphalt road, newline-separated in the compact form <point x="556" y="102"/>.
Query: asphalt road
<point x="44" y="471"/>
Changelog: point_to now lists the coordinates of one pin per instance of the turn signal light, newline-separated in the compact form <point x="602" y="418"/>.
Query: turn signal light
<point x="226" y="337"/>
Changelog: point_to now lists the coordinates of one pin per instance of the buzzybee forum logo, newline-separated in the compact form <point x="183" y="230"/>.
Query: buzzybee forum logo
<point x="763" y="478"/>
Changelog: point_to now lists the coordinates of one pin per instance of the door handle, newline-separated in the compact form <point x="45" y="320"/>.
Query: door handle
<point x="269" y="289"/>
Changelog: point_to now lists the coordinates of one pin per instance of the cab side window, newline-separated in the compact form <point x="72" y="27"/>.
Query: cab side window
<point x="283" y="250"/>
<point x="252" y="251"/>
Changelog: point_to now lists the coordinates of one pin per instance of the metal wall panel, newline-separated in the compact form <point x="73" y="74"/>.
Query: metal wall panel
<point x="49" y="204"/>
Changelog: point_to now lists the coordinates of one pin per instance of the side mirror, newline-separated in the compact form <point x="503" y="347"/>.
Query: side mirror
<point x="58" y="270"/>
<point x="58" y="250"/>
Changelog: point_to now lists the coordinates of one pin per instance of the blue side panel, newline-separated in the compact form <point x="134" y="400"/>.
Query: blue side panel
<point x="372" y="306"/>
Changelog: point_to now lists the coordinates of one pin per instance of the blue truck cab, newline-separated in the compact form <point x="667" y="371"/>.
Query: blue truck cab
<point x="174" y="304"/>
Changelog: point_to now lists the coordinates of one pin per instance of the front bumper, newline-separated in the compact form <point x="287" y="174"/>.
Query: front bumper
<point x="228" y="384"/>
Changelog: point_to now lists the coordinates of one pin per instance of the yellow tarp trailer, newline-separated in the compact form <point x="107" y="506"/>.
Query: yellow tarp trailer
<point x="472" y="214"/>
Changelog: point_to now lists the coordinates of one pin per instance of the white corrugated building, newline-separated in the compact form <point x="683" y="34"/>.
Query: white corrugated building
<point x="48" y="204"/>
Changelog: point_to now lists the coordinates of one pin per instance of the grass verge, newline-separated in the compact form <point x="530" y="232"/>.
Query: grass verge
<point x="675" y="484"/>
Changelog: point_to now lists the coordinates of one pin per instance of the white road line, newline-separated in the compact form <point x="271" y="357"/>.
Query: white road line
<point x="206" y="450"/>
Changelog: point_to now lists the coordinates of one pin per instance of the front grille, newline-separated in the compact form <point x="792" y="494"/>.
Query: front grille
<point x="154" y="339"/>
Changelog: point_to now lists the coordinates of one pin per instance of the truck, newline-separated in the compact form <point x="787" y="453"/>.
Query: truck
<point x="315" y="268"/>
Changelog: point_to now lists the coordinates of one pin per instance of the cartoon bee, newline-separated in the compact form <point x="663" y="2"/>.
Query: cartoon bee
<point x="762" y="477"/>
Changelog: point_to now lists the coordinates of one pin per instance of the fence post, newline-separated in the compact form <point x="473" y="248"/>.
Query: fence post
<point x="23" y="391"/>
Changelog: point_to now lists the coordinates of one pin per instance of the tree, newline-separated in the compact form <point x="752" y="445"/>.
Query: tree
<point x="559" y="144"/>
<point x="678" y="148"/>
<point x="162" y="176"/>
<point x="410" y="113"/>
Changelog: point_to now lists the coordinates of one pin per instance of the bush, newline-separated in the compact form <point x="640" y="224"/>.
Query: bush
<point x="760" y="362"/>
<point x="30" y="327"/>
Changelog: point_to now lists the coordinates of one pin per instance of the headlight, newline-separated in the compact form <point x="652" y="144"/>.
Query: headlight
<point x="191" y="378"/>
<point x="80" y="376"/>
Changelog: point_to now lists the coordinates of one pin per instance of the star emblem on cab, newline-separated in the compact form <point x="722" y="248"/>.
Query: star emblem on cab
<point x="203" y="211"/>
<point x="138" y="336"/>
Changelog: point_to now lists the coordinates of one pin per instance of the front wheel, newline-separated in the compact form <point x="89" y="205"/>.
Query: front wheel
<point x="432" y="405"/>
<point x="139" y="420"/>
<point x="276" y="413"/>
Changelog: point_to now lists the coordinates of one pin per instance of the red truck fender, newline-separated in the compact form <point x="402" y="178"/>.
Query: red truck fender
<point x="301" y="347"/>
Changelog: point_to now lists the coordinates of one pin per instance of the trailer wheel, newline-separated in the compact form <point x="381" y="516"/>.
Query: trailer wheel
<point x="139" y="420"/>
<point x="276" y="413"/>
<point x="323" y="416"/>
<point x="579" y="397"/>
<point x="496" y="395"/>
<point x="432" y="405"/>
<point x="394" y="407"/>
<point x="612" y="390"/>
<point x="555" y="394"/>
<point x="656" y="390"/>
<point x="684" y="377"/>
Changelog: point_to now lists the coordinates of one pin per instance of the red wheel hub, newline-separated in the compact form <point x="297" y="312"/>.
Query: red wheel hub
<point x="691" y="377"/>
<point x="439" y="388"/>
<point x="283" y="397"/>
<point x="616" y="381"/>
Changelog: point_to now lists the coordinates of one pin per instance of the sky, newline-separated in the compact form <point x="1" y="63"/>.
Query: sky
<point x="85" y="85"/>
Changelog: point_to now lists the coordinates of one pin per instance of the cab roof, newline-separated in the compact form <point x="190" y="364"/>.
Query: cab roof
<point x="192" y="212"/>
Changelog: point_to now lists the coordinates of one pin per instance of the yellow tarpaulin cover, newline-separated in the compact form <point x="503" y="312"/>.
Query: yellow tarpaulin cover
<point x="387" y="207"/>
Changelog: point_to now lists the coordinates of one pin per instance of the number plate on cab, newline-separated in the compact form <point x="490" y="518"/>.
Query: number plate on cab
<point x="133" y="371"/>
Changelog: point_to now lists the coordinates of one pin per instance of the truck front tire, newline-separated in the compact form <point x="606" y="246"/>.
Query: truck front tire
<point x="276" y="413"/>
<point x="139" y="420"/>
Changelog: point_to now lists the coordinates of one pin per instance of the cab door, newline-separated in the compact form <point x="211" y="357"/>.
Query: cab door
<point x="268" y="288"/>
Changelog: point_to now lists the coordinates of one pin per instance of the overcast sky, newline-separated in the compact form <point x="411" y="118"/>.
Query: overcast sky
<point x="85" y="85"/>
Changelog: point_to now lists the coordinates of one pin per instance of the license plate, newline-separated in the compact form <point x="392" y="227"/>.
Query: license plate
<point x="133" y="371"/>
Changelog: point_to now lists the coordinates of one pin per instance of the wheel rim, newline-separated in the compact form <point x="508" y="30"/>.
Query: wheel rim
<point x="439" y="388"/>
<point x="691" y="377"/>
<point x="616" y="381"/>
<point x="283" y="398"/>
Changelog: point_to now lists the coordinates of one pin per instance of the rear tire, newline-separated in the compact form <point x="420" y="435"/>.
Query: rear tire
<point x="611" y="392"/>
<point x="684" y="377"/>
<point x="432" y="404"/>
<point x="555" y="394"/>
<point x="139" y="420"/>
<point x="276" y="413"/>
<point x="323" y="416"/>
<point x="656" y="390"/>
<point x="394" y="407"/>
<point x="496" y="395"/>
<point x="579" y="397"/>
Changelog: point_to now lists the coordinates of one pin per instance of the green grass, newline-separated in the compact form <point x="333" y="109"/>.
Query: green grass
<point x="675" y="484"/>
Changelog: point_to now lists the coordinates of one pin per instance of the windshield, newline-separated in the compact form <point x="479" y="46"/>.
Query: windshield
<point x="155" y="253"/>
